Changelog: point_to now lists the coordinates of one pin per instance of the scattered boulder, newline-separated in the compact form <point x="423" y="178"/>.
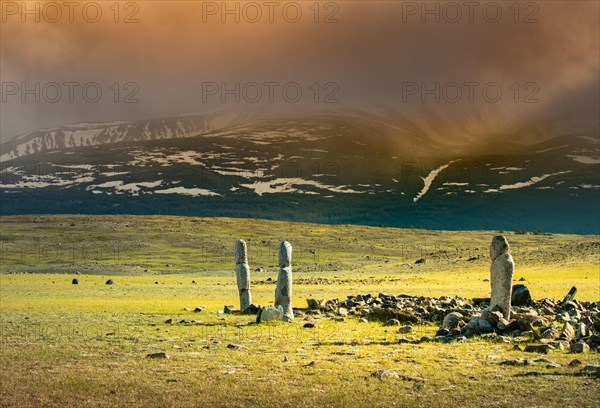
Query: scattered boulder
<point x="420" y="261"/>
<point x="199" y="309"/>
<point x="75" y="281"/>
<point x="110" y="282"/>
<point x="405" y="329"/>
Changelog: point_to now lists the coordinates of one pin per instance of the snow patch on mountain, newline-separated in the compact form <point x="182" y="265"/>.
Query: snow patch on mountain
<point x="523" y="184"/>
<point x="194" y="192"/>
<point x="584" y="159"/>
<point x="429" y="180"/>
<point x="289" y="185"/>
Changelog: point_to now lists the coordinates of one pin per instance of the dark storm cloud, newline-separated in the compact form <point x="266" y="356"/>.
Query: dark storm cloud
<point x="372" y="52"/>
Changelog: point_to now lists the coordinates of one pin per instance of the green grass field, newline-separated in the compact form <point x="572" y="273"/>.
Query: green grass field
<point x="86" y="345"/>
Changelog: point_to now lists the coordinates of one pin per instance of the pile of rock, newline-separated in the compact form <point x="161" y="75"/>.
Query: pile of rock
<point x="567" y="324"/>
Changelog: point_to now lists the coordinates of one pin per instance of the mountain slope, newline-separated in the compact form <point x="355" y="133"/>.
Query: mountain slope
<point x="348" y="167"/>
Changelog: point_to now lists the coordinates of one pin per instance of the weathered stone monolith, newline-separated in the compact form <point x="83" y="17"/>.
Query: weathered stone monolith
<point x="501" y="275"/>
<point x="283" y="291"/>
<point x="242" y="272"/>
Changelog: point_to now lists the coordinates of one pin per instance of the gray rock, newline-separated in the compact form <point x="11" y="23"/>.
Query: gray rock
<point x="452" y="320"/>
<point x="582" y="330"/>
<point x="478" y="324"/>
<point x="550" y="334"/>
<point x="503" y="324"/>
<point x="571" y="295"/>
<point x="392" y="322"/>
<point x="579" y="347"/>
<point x="442" y="332"/>
<point x="539" y="348"/>
<point x="270" y="313"/>
<point x="405" y="329"/>
<point x="242" y="272"/>
<point x="234" y="346"/>
<point x="568" y="332"/>
<point x="75" y="281"/>
<point x="517" y="362"/>
<point x="283" y="291"/>
<point x="549" y="363"/>
<point x="381" y="374"/>
<point x="199" y="309"/>
<point x="501" y="275"/>
<point x="342" y="311"/>
<point x="313" y="304"/>
<point x="252" y="309"/>
<point x="110" y="282"/>
<point x="492" y="317"/>
<point x="230" y="309"/>
<point x="520" y="296"/>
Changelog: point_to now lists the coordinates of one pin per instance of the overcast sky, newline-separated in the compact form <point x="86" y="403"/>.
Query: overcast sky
<point x="371" y="50"/>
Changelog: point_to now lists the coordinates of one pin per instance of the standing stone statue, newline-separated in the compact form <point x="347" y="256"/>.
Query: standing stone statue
<point x="242" y="271"/>
<point x="501" y="275"/>
<point x="283" y="291"/>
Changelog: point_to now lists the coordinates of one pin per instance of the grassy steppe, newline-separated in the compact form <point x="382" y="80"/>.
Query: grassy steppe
<point x="85" y="345"/>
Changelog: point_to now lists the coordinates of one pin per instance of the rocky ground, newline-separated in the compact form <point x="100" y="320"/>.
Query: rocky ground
<point x="566" y="325"/>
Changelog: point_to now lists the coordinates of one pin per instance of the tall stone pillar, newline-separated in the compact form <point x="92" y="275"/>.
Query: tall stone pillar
<point x="283" y="291"/>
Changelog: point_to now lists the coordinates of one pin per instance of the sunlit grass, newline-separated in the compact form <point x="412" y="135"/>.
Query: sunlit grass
<point x="85" y="344"/>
